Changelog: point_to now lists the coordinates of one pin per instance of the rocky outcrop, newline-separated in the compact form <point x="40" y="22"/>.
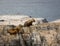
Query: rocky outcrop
<point x="46" y="34"/>
<point x="40" y="21"/>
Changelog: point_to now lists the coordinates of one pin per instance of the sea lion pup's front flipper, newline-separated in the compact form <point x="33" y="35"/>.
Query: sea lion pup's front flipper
<point x="29" y="22"/>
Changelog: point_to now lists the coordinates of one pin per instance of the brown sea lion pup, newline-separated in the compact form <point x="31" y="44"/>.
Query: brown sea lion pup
<point x="6" y="28"/>
<point x="29" y="22"/>
<point x="12" y="31"/>
<point x="15" y="30"/>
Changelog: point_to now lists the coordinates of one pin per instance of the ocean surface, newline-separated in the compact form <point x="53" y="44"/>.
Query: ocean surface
<point x="49" y="9"/>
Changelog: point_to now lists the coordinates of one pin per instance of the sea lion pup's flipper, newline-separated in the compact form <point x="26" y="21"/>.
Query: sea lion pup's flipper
<point x="29" y="22"/>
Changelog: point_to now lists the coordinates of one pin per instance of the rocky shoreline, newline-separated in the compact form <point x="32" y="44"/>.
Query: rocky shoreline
<point x="28" y="31"/>
<point x="46" y="34"/>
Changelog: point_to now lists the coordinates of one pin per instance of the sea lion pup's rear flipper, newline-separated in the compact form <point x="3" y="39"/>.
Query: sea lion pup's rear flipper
<point x="29" y="22"/>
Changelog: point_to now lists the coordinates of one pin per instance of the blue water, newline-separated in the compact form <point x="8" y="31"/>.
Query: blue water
<point x="49" y="9"/>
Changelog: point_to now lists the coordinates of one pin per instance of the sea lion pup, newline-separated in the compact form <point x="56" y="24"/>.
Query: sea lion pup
<point x="6" y="28"/>
<point x="29" y="22"/>
<point x="15" y="30"/>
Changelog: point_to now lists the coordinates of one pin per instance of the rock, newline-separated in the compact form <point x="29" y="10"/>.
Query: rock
<point x="34" y="35"/>
<point x="40" y="21"/>
<point x="36" y="39"/>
